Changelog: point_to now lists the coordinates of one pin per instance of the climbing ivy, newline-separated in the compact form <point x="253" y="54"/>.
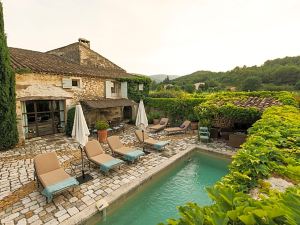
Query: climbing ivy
<point x="133" y="86"/>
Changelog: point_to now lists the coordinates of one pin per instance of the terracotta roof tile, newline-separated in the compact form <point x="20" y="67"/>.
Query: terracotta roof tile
<point x="257" y="102"/>
<point x="39" y="62"/>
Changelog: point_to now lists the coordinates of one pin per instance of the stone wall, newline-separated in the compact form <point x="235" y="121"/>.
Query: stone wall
<point x="91" y="87"/>
<point x="46" y="86"/>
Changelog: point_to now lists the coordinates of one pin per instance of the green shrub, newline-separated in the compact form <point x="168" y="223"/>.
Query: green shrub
<point x="273" y="147"/>
<point x="166" y="94"/>
<point x="70" y="121"/>
<point x="101" y="125"/>
<point x="176" y="109"/>
<point x="153" y="115"/>
<point x="238" y="208"/>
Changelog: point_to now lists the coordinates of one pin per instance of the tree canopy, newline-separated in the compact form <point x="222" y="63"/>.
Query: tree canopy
<point x="8" y="121"/>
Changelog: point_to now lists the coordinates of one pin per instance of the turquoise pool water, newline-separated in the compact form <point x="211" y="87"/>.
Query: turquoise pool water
<point x="158" y="200"/>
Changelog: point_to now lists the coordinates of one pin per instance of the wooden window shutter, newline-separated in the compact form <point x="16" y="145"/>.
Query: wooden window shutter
<point x="108" y="86"/>
<point x="66" y="83"/>
<point x="124" y="90"/>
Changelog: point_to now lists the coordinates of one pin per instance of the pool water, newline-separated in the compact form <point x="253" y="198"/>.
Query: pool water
<point x="158" y="200"/>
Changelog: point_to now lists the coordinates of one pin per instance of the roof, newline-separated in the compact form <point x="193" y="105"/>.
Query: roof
<point x="101" y="60"/>
<point x="257" y="102"/>
<point x="39" y="62"/>
<point x="107" y="103"/>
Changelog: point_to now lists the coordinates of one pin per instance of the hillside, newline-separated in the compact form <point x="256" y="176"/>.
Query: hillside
<point x="277" y="74"/>
<point x="160" y="77"/>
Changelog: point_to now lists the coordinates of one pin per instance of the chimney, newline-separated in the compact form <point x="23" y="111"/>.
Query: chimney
<point x="85" y="42"/>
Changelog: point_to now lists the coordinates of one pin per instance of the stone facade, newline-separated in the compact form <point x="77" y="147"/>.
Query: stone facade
<point x="33" y="86"/>
<point x="90" y="87"/>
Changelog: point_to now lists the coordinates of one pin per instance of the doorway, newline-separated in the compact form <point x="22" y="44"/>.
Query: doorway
<point x="43" y="117"/>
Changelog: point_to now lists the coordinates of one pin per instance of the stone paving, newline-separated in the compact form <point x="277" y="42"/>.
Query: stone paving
<point x="22" y="203"/>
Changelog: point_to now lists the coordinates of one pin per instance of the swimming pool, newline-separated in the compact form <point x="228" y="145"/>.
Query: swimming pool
<point x="157" y="200"/>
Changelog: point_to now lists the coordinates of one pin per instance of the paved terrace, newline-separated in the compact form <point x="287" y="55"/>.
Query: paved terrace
<point x="22" y="203"/>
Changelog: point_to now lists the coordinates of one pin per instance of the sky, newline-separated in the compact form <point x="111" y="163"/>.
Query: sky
<point x="175" y="37"/>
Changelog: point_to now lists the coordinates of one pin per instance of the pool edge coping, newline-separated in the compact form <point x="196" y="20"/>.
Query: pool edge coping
<point x="111" y="198"/>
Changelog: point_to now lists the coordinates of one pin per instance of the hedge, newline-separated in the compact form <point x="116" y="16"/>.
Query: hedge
<point x="221" y="105"/>
<point x="273" y="148"/>
<point x="177" y="109"/>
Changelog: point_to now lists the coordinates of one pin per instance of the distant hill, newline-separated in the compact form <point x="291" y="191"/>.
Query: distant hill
<point x="160" y="77"/>
<point x="276" y="74"/>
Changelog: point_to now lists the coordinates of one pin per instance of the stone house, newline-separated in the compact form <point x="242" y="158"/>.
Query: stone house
<point x="199" y="85"/>
<point x="50" y="83"/>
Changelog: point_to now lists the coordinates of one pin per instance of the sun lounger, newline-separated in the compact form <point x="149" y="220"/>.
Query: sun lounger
<point x="182" y="128"/>
<point x="158" y="145"/>
<point x="128" y="153"/>
<point x="95" y="154"/>
<point x="51" y="175"/>
<point x="162" y="125"/>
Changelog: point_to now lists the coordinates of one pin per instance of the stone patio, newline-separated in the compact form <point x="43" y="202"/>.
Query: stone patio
<point x="22" y="203"/>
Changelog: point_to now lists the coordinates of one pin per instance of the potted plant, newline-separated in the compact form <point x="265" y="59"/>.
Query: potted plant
<point x="102" y="127"/>
<point x="156" y="117"/>
<point x="194" y="121"/>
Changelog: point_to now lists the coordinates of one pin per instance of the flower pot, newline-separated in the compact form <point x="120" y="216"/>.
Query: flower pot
<point x="155" y="121"/>
<point x="194" y="125"/>
<point x="102" y="136"/>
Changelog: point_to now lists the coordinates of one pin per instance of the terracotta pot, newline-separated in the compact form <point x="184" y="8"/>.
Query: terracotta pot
<point x="194" y="125"/>
<point x="102" y="136"/>
<point x="155" y="121"/>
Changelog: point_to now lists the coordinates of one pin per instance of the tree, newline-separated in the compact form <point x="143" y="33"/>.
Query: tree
<point x="297" y="85"/>
<point x="251" y="84"/>
<point x="166" y="80"/>
<point x="8" y="118"/>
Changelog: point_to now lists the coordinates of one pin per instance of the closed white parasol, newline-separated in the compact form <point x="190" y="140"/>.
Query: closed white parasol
<point x="141" y="119"/>
<point x="80" y="133"/>
<point x="80" y="130"/>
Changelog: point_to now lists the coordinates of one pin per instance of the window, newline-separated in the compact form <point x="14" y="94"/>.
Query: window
<point x="75" y="83"/>
<point x="115" y="87"/>
<point x="70" y="83"/>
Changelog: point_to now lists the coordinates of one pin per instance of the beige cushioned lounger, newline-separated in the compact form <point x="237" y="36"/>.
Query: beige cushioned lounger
<point x="147" y="139"/>
<point x="48" y="169"/>
<point x="116" y="145"/>
<point x="185" y="125"/>
<point x="95" y="153"/>
<point x="160" y="126"/>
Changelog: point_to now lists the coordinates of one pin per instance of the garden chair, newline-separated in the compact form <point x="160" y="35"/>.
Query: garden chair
<point x="52" y="177"/>
<point x="96" y="155"/>
<point x="204" y="134"/>
<point x="128" y="153"/>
